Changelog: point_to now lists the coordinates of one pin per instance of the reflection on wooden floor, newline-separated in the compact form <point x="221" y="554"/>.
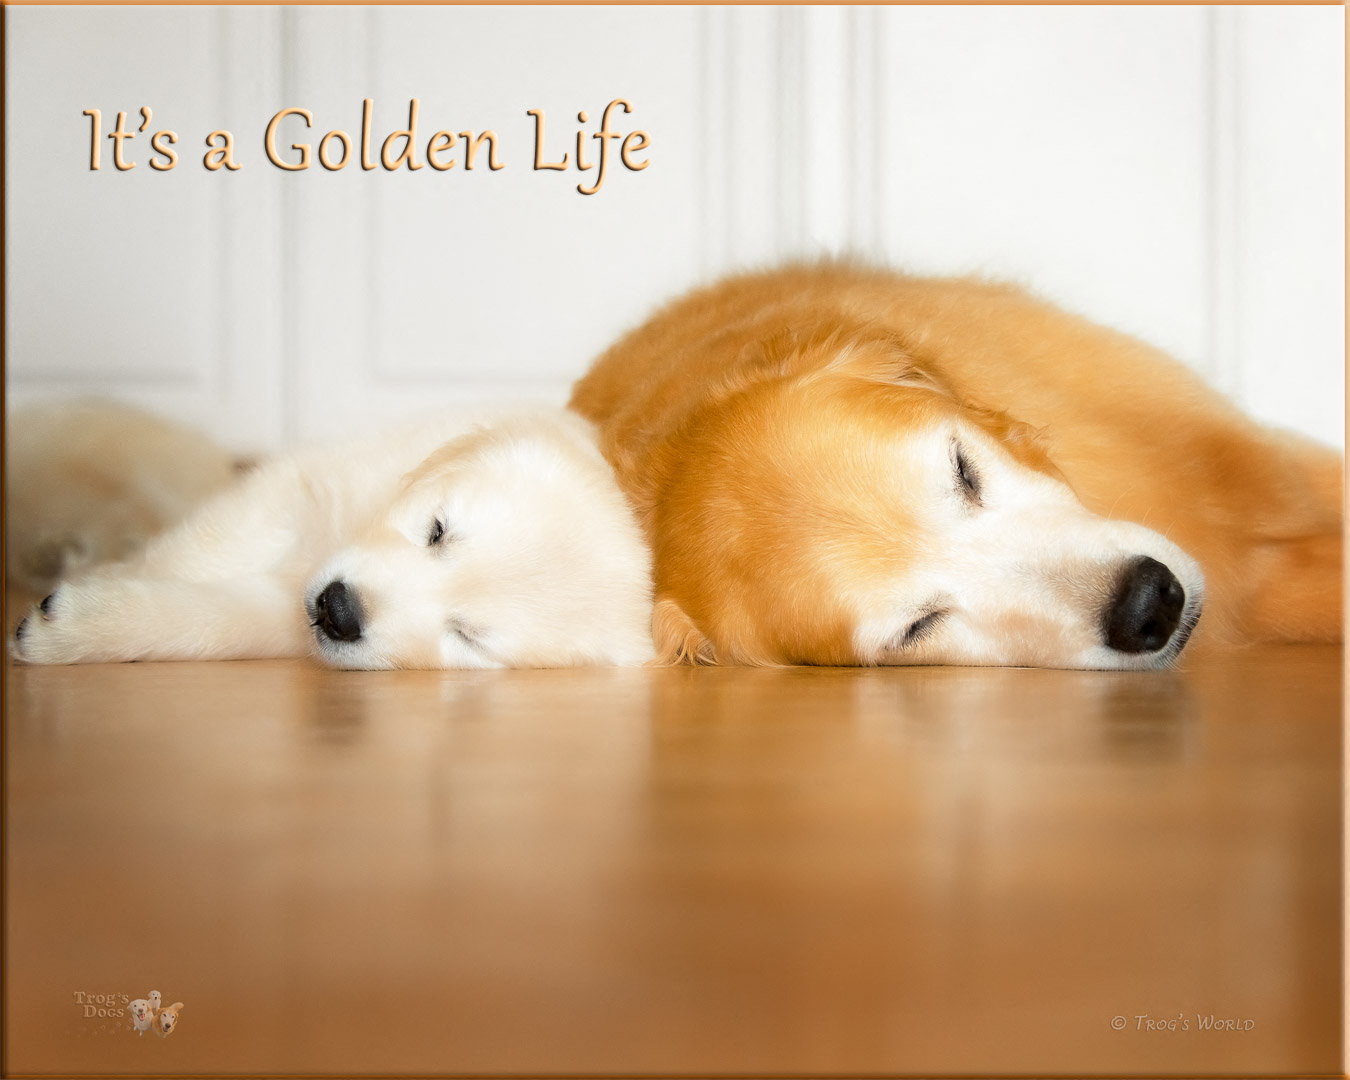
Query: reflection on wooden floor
<point x="928" y="870"/>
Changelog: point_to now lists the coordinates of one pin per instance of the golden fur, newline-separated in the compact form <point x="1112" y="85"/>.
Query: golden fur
<point x="753" y="424"/>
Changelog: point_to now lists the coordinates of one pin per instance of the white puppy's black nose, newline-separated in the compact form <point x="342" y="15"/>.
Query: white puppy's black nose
<point x="1146" y="608"/>
<point x="338" y="612"/>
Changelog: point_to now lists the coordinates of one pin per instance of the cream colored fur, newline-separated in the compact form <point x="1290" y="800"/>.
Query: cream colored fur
<point x="92" y="481"/>
<point x="540" y="562"/>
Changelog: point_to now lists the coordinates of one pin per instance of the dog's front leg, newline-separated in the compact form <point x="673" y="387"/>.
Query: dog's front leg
<point x="112" y="616"/>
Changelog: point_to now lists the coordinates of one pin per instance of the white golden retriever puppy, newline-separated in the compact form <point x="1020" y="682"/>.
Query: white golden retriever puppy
<point x="489" y="540"/>
<point x="142" y="1012"/>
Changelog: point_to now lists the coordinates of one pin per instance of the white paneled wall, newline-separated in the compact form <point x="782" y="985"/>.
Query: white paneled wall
<point x="159" y="288"/>
<point x="1176" y="172"/>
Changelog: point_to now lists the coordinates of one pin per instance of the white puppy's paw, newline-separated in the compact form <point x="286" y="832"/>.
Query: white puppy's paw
<point x="65" y="628"/>
<point x="38" y="639"/>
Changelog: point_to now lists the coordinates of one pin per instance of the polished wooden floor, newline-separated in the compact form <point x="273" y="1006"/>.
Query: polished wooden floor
<point x="678" y="871"/>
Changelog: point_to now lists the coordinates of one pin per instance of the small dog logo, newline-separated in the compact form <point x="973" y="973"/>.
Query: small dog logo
<point x="147" y="1015"/>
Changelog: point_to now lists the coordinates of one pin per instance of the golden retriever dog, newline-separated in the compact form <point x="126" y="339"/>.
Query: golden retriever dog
<point x="476" y="541"/>
<point x="166" y="1019"/>
<point x="92" y="481"/>
<point x="844" y="465"/>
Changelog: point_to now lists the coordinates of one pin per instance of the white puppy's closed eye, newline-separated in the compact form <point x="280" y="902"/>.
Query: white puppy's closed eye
<point x="468" y="634"/>
<point x="438" y="535"/>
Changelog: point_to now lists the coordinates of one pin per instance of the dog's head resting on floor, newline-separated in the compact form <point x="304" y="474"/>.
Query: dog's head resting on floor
<point x="834" y="502"/>
<point x="509" y="547"/>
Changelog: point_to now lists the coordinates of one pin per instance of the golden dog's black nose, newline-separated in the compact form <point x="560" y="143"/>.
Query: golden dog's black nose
<point x="338" y="613"/>
<point x="1146" y="608"/>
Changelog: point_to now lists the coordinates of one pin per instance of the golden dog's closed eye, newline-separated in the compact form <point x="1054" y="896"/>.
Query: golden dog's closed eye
<point x="967" y="479"/>
<point x="919" y="629"/>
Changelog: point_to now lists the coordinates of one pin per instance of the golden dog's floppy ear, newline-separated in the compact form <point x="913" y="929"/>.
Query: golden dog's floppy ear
<point x="878" y="355"/>
<point x="861" y="351"/>
<point x="1027" y="444"/>
<point x="677" y="639"/>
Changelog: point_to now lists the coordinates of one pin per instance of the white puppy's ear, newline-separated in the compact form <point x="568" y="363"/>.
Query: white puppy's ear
<point x="677" y="639"/>
<point x="443" y="457"/>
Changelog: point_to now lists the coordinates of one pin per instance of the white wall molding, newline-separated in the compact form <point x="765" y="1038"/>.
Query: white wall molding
<point x="1288" y="179"/>
<point x="1222" y="360"/>
<point x="794" y="95"/>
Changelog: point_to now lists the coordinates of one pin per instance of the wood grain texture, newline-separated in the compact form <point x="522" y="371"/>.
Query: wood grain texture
<point x="674" y="870"/>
